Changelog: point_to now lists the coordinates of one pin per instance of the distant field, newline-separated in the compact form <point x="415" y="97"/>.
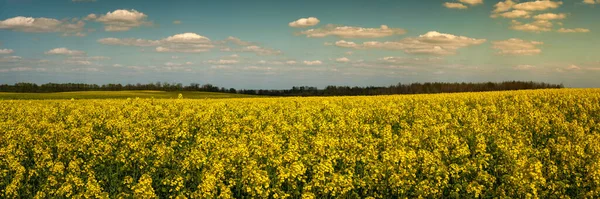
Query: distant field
<point x="121" y="95"/>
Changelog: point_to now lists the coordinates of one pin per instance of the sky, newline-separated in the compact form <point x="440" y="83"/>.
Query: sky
<point x="274" y="44"/>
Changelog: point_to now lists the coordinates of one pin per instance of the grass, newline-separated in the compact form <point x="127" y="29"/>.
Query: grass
<point x="121" y="95"/>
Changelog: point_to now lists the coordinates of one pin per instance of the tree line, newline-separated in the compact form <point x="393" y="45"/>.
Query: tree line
<point x="413" y="88"/>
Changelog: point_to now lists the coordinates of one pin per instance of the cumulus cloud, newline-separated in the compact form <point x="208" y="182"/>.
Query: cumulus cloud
<point x="503" y="6"/>
<point x="515" y="46"/>
<point x="21" y="69"/>
<point x="471" y="2"/>
<point x="574" y="30"/>
<point x="513" y="14"/>
<point x="65" y="51"/>
<point x="352" y="32"/>
<point x="591" y="1"/>
<point x="342" y="60"/>
<point x="122" y="20"/>
<point x="245" y="46"/>
<point x="237" y="41"/>
<point x="536" y="26"/>
<point x="259" y="50"/>
<point x="257" y="68"/>
<point x="79" y="62"/>
<point x="10" y="59"/>
<point x="91" y="58"/>
<point x="539" y="5"/>
<point x="304" y="22"/>
<point x="90" y="17"/>
<point x="550" y="16"/>
<point x="524" y="67"/>
<point x="185" y="42"/>
<point x="313" y="63"/>
<point x="431" y="43"/>
<point x="453" y="5"/>
<point x="411" y="60"/>
<point x="6" y="51"/>
<point x="30" y="24"/>
<point x="573" y="67"/>
<point x="223" y="61"/>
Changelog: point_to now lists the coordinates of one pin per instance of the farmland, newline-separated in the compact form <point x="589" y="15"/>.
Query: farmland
<point x="520" y="144"/>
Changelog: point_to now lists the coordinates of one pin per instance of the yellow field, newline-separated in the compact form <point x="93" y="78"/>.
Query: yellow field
<point x="519" y="144"/>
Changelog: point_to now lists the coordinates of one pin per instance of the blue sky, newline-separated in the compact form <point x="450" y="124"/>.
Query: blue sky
<point x="279" y="44"/>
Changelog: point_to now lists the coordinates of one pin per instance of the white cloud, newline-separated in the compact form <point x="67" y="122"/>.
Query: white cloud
<point x="574" y="30"/>
<point x="304" y="22"/>
<point x="90" y="17"/>
<point x="471" y="2"/>
<point x="513" y="14"/>
<point x="453" y="5"/>
<point x="187" y="38"/>
<point x="92" y="58"/>
<point x="65" y="51"/>
<point x="220" y="67"/>
<point x="77" y="34"/>
<point x="92" y="69"/>
<point x="162" y="49"/>
<point x="185" y="42"/>
<point x="503" y="6"/>
<point x="122" y="20"/>
<point x="237" y="41"/>
<point x="10" y="59"/>
<point x="536" y="26"/>
<point x="524" y="67"/>
<point x="129" y="42"/>
<point x="259" y="50"/>
<point x="432" y="43"/>
<point x="538" y="5"/>
<point x="352" y="32"/>
<point x="342" y="60"/>
<point x="591" y="1"/>
<point x="313" y="63"/>
<point x="290" y="62"/>
<point x="117" y="65"/>
<point x="78" y="62"/>
<point x="246" y="46"/>
<point x="21" y="69"/>
<point x="223" y="61"/>
<point x="30" y="24"/>
<point x="258" y="68"/>
<point x="573" y="67"/>
<point x="6" y="51"/>
<point x="411" y="60"/>
<point x="550" y="16"/>
<point x="173" y="64"/>
<point x="515" y="46"/>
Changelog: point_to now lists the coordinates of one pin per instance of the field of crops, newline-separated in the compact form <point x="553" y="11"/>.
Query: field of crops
<point x="520" y="144"/>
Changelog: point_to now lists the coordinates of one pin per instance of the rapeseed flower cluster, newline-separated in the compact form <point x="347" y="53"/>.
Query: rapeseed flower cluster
<point x="517" y="144"/>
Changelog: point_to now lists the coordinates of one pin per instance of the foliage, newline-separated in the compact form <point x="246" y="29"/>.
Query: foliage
<point x="122" y="95"/>
<point x="518" y="144"/>
<point x="414" y="88"/>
